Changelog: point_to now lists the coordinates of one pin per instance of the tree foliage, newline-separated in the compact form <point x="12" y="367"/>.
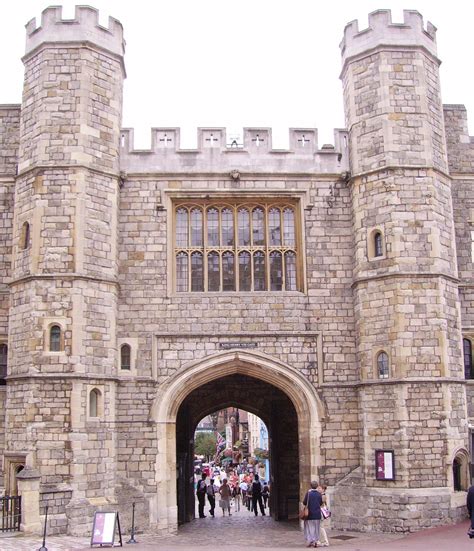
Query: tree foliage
<point x="205" y="444"/>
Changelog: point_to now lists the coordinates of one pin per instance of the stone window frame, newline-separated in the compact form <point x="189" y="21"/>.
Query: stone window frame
<point x="133" y="343"/>
<point x="98" y="392"/>
<point x="470" y="339"/>
<point x="461" y="457"/>
<point x="299" y="198"/>
<point x="48" y="324"/>
<point x="372" y="234"/>
<point x="376" y="357"/>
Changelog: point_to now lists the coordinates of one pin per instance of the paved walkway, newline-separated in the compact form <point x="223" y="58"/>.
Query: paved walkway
<point x="243" y="531"/>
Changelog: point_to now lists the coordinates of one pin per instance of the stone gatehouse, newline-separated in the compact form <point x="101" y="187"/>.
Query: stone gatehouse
<point x="142" y="290"/>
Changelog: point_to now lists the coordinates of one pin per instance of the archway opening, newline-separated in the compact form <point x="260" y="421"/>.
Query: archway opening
<point x="262" y="399"/>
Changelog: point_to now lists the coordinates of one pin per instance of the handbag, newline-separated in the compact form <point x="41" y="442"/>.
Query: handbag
<point x="222" y="504"/>
<point x="304" y="513"/>
<point x="325" y="512"/>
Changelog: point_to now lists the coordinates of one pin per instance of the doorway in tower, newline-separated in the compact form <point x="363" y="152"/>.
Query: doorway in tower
<point x="236" y="412"/>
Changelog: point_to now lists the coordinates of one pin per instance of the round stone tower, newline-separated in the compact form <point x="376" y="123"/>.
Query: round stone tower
<point x="412" y="397"/>
<point x="62" y="361"/>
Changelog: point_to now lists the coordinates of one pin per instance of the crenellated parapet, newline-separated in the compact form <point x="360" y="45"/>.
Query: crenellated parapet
<point x="215" y="153"/>
<point x="84" y="27"/>
<point x="382" y="31"/>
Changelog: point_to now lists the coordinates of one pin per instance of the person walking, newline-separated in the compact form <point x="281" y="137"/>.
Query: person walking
<point x="257" y="496"/>
<point x="323" y="537"/>
<point x="470" y="510"/>
<point x="249" y="497"/>
<point x="201" y="494"/>
<point x="237" y="495"/>
<point x="313" y="500"/>
<point x="243" y="489"/>
<point x="265" y="494"/>
<point x="211" y="496"/>
<point x="224" y="502"/>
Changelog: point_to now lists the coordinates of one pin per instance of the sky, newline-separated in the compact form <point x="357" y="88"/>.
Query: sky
<point x="236" y="63"/>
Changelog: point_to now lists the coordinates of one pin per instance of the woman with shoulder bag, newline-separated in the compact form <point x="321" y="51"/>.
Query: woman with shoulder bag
<point x="313" y="501"/>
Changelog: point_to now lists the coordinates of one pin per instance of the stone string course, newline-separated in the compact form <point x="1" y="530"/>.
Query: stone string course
<point x="99" y="263"/>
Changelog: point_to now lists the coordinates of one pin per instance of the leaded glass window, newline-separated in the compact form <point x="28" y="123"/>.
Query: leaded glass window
<point x="236" y="245"/>
<point x="125" y="357"/>
<point x="55" y="339"/>
<point x="3" y="363"/>
<point x="382" y="365"/>
<point x="467" y="349"/>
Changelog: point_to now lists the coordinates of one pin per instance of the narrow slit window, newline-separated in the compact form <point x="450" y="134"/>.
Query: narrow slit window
<point x="382" y="365"/>
<point x="25" y="236"/>
<point x="55" y="338"/>
<point x="182" y="228"/>
<point x="212" y="227"/>
<point x="467" y="350"/>
<point x="196" y="228"/>
<point x="258" y="227"/>
<point x="227" y="228"/>
<point x="125" y="357"/>
<point x="94" y="401"/>
<point x="244" y="227"/>
<point x="3" y="363"/>
<point x="378" y="244"/>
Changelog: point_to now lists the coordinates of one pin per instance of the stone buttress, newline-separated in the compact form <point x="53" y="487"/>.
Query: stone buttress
<point x="64" y="271"/>
<point x="406" y="292"/>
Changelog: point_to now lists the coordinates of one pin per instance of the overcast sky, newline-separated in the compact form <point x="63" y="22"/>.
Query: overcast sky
<point x="236" y="63"/>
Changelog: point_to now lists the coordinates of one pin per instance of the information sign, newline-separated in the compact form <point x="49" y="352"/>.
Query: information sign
<point x="104" y="528"/>
<point x="384" y="465"/>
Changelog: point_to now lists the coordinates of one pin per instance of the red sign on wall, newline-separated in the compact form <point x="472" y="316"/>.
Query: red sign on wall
<point x="384" y="465"/>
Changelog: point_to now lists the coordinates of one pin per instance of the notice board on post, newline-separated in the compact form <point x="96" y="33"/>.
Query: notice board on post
<point x="104" y="527"/>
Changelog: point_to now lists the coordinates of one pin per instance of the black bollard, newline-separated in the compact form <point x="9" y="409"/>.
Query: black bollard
<point x="132" y="535"/>
<point x="43" y="547"/>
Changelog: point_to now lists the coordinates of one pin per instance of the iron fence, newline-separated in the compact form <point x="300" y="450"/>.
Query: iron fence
<point x="10" y="510"/>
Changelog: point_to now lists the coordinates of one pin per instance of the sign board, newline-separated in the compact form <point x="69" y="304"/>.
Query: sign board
<point x="104" y="527"/>
<point x="384" y="465"/>
<point x="230" y="345"/>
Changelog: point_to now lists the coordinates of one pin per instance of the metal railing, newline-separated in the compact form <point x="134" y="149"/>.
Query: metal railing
<point x="10" y="511"/>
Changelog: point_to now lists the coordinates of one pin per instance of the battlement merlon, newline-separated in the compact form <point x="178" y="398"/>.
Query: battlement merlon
<point x="216" y="154"/>
<point x="382" y="32"/>
<point x="84" y="27"/>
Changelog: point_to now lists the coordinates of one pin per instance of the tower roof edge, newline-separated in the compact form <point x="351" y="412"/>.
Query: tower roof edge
<point x="382" y="31"/>
<point x="84" y="27"/>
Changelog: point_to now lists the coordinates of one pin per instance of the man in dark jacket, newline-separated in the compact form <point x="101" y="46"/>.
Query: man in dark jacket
<point x="201" y="494"/>
<point x="470" y="508"/>
<point x="257" y="496"/>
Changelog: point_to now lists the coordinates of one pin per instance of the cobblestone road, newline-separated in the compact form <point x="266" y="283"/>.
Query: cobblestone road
<point x="244" y="531"/>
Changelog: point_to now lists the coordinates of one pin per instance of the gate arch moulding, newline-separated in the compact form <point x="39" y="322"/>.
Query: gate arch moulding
<point x="308" y="405"/>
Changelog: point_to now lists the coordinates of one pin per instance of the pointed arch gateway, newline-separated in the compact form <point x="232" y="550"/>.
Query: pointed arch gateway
<point x="218" y="368"/>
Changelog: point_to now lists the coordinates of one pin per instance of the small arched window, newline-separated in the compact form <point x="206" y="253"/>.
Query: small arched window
<point x="378" y="244"/>
<point x="467" y="350"/>
<point x="3" y="363"/>
<point x="382" y="365"/>
<point x="94" y="402"/>
<point x="25" y="236"/>
<point x="125" y="357"/>
<point x="460" y="472"/>
<point x="55" y="338"/>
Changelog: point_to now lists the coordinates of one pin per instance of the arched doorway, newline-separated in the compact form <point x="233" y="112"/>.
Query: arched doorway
<point x="278" y="413"/>
<point x="285" y="383"/>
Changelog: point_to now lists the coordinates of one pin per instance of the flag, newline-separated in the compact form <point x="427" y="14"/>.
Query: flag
<point x="220" y="445"/>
